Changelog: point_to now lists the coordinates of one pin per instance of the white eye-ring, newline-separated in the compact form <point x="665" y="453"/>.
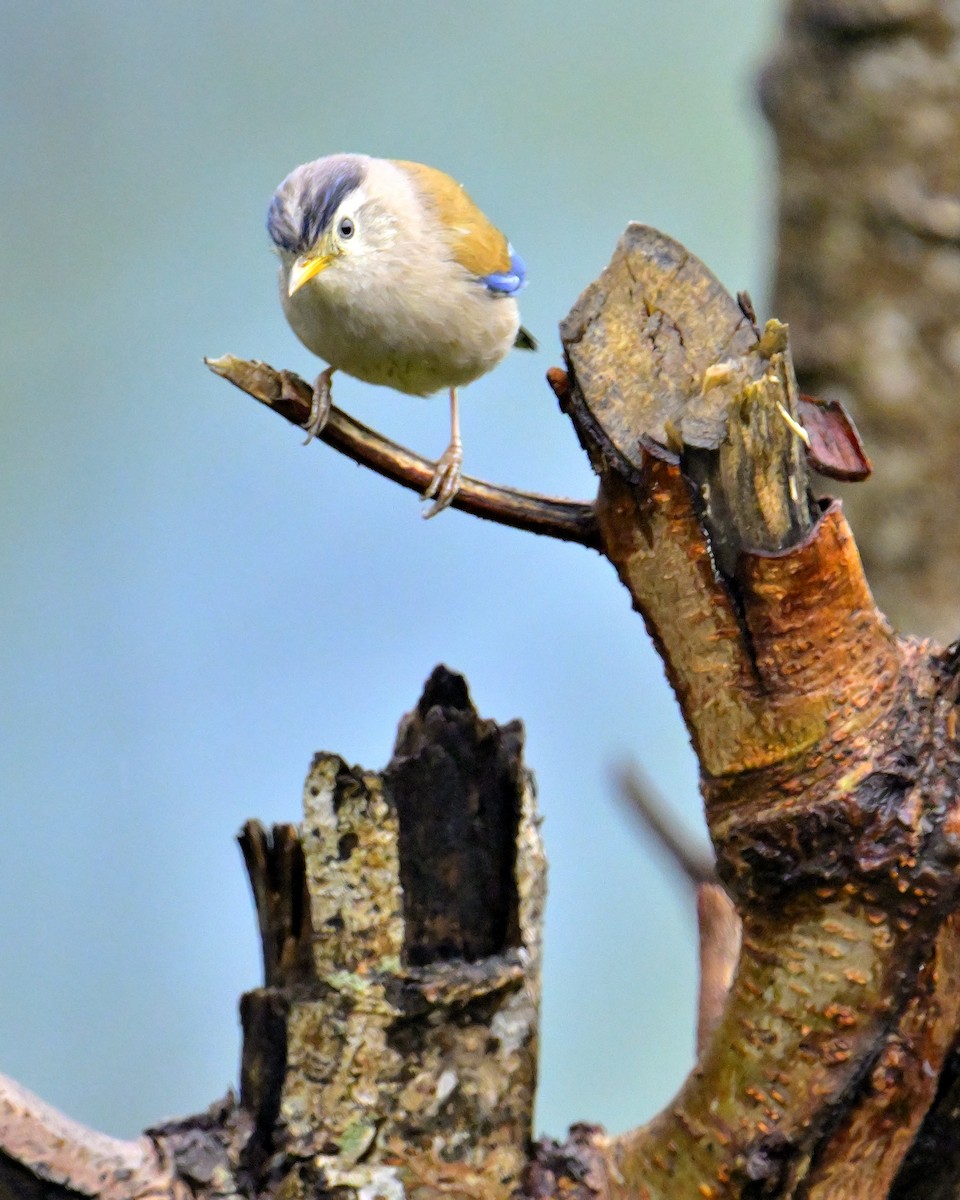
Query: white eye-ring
<point x="346" y="227"/>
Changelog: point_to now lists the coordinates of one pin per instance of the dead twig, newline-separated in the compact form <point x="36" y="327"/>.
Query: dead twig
<point x="718" y="924"/>
<point x="289" y="395"/>
<point x="694" y="862"/>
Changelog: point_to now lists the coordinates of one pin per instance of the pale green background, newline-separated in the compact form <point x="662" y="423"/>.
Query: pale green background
<point x="192" y="603"/>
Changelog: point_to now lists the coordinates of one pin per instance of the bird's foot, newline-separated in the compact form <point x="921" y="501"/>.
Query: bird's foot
<point x="320" y="403"/>
<point x="446" y="479"/>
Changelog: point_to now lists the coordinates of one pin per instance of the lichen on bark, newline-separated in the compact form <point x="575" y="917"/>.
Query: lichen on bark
<point x="404" y="1056"/>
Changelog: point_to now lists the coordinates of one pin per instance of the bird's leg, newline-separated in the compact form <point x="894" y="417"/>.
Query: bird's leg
<point x="446" y="476"/>
<point x="319" y="405"/>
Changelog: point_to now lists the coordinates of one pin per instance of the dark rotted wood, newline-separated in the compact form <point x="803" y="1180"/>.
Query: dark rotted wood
<point x="263" y="1018"/>
<point x="275" y="867"/>
<point x="453" y="778"/>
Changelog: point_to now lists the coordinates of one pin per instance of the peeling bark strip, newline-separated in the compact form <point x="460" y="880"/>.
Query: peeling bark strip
<point x="395" y="1046"/>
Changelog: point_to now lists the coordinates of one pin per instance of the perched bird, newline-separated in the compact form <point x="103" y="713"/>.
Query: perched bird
<point x="390" y="273"/>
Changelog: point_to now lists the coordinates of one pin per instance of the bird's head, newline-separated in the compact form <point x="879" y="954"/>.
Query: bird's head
<point x="320" y="215"/>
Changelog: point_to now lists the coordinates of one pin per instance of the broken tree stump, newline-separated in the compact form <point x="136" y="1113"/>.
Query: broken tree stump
<point x="393" y="1049"/>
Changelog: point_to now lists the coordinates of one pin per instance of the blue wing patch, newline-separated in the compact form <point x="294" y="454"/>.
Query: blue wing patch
<point x="505" y="283"/>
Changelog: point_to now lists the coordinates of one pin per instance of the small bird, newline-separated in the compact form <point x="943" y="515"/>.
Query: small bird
<point x="389" y="272"/>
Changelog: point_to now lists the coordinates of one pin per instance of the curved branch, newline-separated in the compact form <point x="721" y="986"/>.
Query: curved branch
<point x="289" y="395"/>
<point x="48" y="1156"/>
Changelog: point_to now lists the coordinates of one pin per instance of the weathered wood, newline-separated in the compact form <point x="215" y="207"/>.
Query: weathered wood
<point x="395" y="1044"/>
<point x="666" y="363"/>
<point x="393" y="1048"/>
<point x="45" y="1155"/>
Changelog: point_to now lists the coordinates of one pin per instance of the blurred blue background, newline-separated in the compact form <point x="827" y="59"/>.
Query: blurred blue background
<point x="192" y="603"/>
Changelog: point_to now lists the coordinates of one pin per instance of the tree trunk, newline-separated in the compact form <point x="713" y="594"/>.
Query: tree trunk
<point x="864" y="99"/>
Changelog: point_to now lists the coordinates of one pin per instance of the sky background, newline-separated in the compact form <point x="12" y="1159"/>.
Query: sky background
<point x="192" y="603"/>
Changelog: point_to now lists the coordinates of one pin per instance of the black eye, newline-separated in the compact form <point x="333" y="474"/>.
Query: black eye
<point x="345" y="228"/>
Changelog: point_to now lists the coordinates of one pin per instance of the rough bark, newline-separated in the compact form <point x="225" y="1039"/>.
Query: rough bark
<point x="827" y="747"/>
<point x="828" y="755"/>
<point x="393" y="1048"/>
<point x="864" y="99"/>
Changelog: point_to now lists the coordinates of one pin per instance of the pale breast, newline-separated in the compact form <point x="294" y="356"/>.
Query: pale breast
<point x="408" y="317"/>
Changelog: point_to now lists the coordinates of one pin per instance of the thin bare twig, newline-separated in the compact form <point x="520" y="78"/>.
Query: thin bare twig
<point x="694" y="862"/>
<point x="718" y="924"/>
<point x="289" y="395"/>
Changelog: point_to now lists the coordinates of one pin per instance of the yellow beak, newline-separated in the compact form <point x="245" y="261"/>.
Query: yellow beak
<point x="304" y="269"/>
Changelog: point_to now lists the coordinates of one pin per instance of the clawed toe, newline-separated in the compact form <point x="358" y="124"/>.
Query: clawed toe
<point x="320" y="403"/>
<point x="445" y="482"/>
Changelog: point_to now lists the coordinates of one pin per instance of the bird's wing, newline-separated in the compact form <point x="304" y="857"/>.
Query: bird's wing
<point x="474" y="241"/>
